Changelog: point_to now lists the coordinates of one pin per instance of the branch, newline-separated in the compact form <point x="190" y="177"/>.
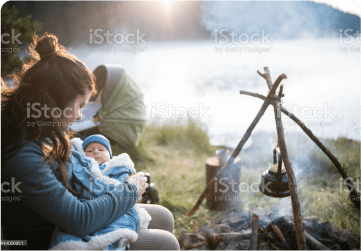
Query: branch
<point x="300" y="232"/>
<point x="267" y="77"/>
<point x="300" y="235"/>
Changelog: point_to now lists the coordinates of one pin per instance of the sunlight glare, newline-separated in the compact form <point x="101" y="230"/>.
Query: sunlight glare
<point x="166" y="3"/>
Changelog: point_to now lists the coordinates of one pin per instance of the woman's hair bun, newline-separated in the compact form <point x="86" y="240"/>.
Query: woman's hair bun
<point x="47" y="45"/>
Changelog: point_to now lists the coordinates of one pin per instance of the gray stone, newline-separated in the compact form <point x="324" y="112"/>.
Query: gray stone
<point x="221" y="246"/>
<point x="310" y="224"/>
<point x="326" y="230"/>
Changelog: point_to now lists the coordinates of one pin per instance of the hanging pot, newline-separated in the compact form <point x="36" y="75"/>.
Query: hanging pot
<point x="274" y="181"/>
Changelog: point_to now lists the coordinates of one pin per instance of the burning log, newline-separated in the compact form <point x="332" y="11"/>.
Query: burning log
<point x="254" y="238"/>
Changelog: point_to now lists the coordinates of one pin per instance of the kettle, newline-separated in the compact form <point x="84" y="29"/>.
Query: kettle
<point x="274" y="182"/>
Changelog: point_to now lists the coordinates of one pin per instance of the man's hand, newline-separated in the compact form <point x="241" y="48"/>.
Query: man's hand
<point x="140" y="182"/>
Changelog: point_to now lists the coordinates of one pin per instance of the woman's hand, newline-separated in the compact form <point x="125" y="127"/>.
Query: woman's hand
<point x="140" y="182"/>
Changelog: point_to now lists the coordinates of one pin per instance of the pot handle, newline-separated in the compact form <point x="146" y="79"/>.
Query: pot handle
<point x="279" y="170"/>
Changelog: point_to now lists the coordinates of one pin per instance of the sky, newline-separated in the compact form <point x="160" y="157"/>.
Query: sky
<point x="351" y="6"/>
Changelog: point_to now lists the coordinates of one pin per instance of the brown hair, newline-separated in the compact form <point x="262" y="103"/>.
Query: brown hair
<point x="55" y="79"/>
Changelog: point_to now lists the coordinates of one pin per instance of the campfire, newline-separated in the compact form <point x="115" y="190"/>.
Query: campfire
<point x="266" y="230"/>
<point x="283" y="232"/>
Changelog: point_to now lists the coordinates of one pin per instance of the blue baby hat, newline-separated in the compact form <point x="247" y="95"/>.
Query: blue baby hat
<point x="98" y="138"/>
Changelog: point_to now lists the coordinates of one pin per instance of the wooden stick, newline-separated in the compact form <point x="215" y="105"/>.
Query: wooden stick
<point x="341" y="170"/>
<point x="300" y="235"/>
<point x="278" y="233"/>
<point x="254" y="238"/>
<point x="267" y="77"/>
<point x="230" y="162"/>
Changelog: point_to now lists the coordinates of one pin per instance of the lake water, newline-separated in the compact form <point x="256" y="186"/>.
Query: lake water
<point x="322" y="86"/>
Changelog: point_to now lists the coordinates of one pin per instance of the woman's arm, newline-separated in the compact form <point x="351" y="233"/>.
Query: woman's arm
<point x="42" y="192"/>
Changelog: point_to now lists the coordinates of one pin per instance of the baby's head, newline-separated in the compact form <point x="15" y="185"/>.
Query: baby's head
<point x="98" y="147"/>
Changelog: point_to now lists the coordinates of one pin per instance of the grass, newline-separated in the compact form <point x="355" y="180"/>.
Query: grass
<point x="175" y="157"/>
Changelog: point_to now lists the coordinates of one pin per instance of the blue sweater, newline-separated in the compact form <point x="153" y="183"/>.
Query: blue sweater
<point x="33" y="203"/>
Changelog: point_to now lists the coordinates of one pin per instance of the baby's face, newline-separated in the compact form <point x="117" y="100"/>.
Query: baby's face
<point x="97" y="151"/>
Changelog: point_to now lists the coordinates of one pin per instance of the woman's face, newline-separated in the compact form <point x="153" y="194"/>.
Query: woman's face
<point x="73" y="111"/>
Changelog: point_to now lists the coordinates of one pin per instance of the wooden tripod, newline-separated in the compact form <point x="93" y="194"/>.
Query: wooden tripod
<point x="276" y="102"/>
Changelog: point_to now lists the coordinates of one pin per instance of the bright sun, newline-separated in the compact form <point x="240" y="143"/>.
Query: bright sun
<point x="166" y="3"/>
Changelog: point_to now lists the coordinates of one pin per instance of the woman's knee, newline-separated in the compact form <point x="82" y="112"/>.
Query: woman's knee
<point x="162" y="218"/>
<point x="155" y="239"/>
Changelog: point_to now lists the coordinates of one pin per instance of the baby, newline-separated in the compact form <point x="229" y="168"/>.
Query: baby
<point x="96" y="170"/>
<point x="98" y="147"/>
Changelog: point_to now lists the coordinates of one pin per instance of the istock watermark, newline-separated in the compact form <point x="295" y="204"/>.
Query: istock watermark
<point x="55" y="112"/>
<point x="12" y="186"/>
<point x="347" y="39"/>
<point x="236" y="187"/>
<point x="236" y="42"/>
<point x="98" y="36"/>
<point x="13" y="38"/>
<point x="305" y="112"/>
<point x="163" y="110"/>
<point x="241" y="39"/>
<point x="346" y="182"/>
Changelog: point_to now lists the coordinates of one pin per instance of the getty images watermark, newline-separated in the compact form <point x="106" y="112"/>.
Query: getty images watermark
<point x="238" y="42"/>
<point x="113" y="42"/>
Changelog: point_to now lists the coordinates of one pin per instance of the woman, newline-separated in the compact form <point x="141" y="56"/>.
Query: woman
<point x="37" y="179"/>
